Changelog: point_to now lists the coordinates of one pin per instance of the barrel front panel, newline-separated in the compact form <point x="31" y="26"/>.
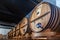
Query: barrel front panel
<point x="14" y="30"/>
<point x="17" y="32"/>
<point x="23" y="22"/>
<point x="41" y="15"/>
<point x="23" y="30"/>
<point x="17" y="27"/>
<point x="13" y="34"/>
<point x="39" y="11"/>
<point x="23" y="26"/>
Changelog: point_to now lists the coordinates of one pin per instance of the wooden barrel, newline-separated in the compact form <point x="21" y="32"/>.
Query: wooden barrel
<point x="10" y="34"/>
<point x="43" y="16"/>
<point x="17" y="26"/>
<point x="14" y="33"/>
<point x="17" y="32"/>
<point x="23" y="26"/>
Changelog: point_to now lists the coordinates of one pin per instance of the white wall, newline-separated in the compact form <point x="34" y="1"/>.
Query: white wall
<point x="4" y="31"/>
<point x="54" y="2"/>
<point x="58" y="3"/>
<point x="51" y="1"/>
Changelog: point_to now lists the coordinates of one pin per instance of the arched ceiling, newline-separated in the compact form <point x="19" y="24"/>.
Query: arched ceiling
<point x="12" y="11"/>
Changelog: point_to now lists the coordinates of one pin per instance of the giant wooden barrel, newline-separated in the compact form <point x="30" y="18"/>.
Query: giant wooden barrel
<point x="43" y="16"/>
<point x="23" y="26"/>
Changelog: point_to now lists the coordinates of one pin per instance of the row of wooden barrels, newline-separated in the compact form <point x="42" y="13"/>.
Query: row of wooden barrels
<point x="44" y="16"/>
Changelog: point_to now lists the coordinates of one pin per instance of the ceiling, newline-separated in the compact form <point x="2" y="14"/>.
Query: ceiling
<point x="12" y="11"/>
